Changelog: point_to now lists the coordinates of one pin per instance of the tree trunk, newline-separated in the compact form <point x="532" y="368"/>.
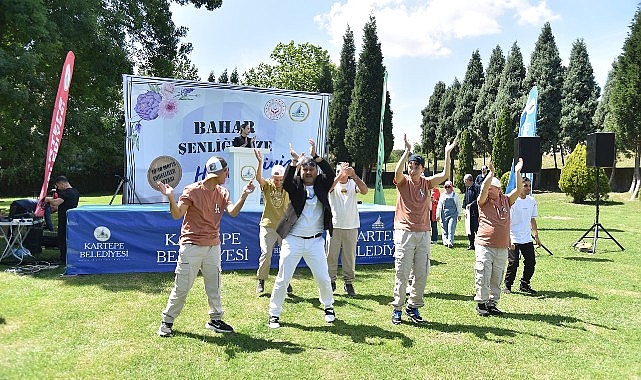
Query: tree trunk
<point x="554" y="155"/>
<point x="636" y="177"/>
<point x="435" y="165"/>
<point x="562" y="158"/>
<point x="364" y="174"/>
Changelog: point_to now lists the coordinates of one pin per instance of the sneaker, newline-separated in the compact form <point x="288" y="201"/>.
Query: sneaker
<point x="333" y="286"/>
<point x="493" y="310"/>
<point x="330" y="316"/>
<point x="414" y="315"/>
<point x="481" y="309"/>
<point x="470" y="247"/>
<point x="165" y="329"/>
<point x="526" y="289"/>
<point x="219" y="326"/>
<point x="289" y="289"/>
<point x="260" y="288"/>
<point x="396" y="316"/>
<point x="349" y="290"/>
<point x="507" y="289"/>
<point x="273" y="322"/>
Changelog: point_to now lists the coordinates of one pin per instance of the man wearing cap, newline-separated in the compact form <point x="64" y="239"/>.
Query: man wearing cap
<point x="412" y="231"/>
<point x="345" y="219"/>
<point x="202" y="205"/>
<point x="67" y="198"/>
<point x="307" y="216"/>
<point x="492" y="240"/>
<point x="276" y="200"/>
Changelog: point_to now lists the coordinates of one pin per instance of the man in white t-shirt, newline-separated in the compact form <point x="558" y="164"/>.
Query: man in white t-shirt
<point x="343" y="201"/>
<point x="522" y="228"/>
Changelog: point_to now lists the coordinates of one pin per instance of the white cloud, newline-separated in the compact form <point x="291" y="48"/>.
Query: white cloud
<point x="414" y="28"/>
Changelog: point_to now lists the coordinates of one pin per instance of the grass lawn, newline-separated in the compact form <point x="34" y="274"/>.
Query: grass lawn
<point x="585" y="322"/>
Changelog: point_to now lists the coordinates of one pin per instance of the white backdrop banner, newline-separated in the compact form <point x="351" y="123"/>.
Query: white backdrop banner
<point x="174" y="126"/>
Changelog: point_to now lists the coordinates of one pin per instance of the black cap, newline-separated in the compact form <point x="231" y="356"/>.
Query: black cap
<point x="418" y="159"/>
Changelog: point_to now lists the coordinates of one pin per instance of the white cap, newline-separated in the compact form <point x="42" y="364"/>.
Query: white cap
<point x="278" y="170"/>
<point x="496" y="182"/>
<point x="214" y="165"/>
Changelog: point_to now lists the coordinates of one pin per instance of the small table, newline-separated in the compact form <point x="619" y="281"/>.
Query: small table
<point x="14" y="232"/>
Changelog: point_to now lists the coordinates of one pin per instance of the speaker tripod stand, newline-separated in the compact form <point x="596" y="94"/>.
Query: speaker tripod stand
<point x="597" y="226"/>
<point x="124" y="182"/>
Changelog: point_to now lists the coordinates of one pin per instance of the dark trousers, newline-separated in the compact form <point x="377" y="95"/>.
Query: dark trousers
<point x="513" y="258"/>
<point x="434" y="231"/>
<point x="474" y="227"/>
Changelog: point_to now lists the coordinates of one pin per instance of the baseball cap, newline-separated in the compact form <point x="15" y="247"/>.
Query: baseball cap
<point x="496" y="182"/>
<point x="215" y="165"/>
<point x="278" y="170"/>
<point x="418" y="159"/>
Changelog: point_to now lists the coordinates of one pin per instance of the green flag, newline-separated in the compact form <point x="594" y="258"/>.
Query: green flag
<point x="379" y="197"/>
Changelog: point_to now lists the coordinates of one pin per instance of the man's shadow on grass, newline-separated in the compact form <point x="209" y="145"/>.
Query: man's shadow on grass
<point x="591" y="259"/>
<point x="235" y="343"/>
<point x="556" y="320"/>
<point x="358" y="333"/>
<point x="481" y="332"/>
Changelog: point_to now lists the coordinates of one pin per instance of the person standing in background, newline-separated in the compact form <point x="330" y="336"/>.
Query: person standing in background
<point x="481" y="176"/>
<point x="448" y="211"/>
<point x="346" y="222"/>
<point x="67" y="199"/>
<point x="436" y="195"/>
<point x="470" y="204"/>
<point x="244" y="141"/>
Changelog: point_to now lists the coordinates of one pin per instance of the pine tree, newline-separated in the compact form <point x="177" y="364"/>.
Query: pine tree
<point x="503" y="144"/>
<point x="363" y="123"/>
<point x="465" y="159"/>
<point x="430" y="121"/>
<point x="447" y="127"/>
<point x="580" y="97"/>
<point x="388" y="134"/>
<point x="546" y="73"/>
<point x="223" y="78"/>
<point x="469" y="93"/>
<point x="511" y="94"/>
<point x="211" y="77"/>
<point x="483" y="117"/>
<point x="233" y="78"/>
<point x="342" y="97"/>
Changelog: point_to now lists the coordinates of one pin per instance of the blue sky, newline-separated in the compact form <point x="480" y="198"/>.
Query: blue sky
<point x="423" y="42"/>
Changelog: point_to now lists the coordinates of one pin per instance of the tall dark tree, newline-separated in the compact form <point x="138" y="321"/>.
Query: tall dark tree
<point x="503" y="144"/>
<point x="469" y="93"/>
<point x="430" y="123"/>
<point x="626" y="97"/>
<point x="465" y="159"/>
<point x="388" y="126"/>
<point x="604" y="120"/>
<point x="511" y="93"/>
<point x="233" y="78"/>
<point x="342" y="97"/>
<point x="211" y="77"/>
<point x="325" y="81"/>
<point x="580" y="97"/>
<point x="223" y="78"/>
<point x="483" y="117"/>
<point x="363" y="123"/>
<point x="546" y="73"/>
<point x="447" y="127"/>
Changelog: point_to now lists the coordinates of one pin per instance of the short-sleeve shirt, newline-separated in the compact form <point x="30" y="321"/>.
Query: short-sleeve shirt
<point x="494" y="223"/>
<point x="201" y="223"/>
<point x="344" y="204"/>
<point x="413" y="203"/>
<point x="521" y="214"/>
<point x="276" y="202"/>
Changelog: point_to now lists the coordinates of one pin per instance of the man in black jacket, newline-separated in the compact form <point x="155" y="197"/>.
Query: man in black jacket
<point x="301" y="229"/>
<point x="471" y="209"/>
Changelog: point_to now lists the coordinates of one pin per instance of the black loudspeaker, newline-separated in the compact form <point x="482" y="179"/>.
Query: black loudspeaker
<point x="600" y="150"/>
<point x="529" y="149"/>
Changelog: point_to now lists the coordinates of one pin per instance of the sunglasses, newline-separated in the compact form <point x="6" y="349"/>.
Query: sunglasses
<point x="310" y="164"/>
<point x="448" y="187"/>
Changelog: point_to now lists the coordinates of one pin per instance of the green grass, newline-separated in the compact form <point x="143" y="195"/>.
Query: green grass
<point x="585" y="323"/>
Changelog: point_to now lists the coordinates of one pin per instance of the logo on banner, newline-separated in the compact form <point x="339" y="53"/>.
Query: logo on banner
<point x="298" y="111"/>
<point x="375" y="242"/>
<point x="275" y="109"/>
<point x="248" y="173"/>
<point x="102" y="233"/>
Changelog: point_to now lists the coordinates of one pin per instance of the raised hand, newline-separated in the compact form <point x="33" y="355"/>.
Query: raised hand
<point x="452" y="145"/>
<point x="165" y="189"/>
<point x="259" y="156"/>
<point x="292" y="152"/>
<point x="312" y="148"/>
<point x="519" y="165"/>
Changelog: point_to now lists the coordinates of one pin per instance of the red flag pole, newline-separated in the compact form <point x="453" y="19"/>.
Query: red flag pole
<point x="57" y="127"/>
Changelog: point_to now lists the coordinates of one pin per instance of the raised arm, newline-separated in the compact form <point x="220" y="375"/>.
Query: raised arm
<point x="439" y="178"/>
<point x="259" y="169"/>
<point x="514" y="194"/>
<point x="168" y="191"/>
<point x="398" y="176"/>
<point x="234" y="208"/>
<point x="485" y="185"/>
<point x="362" y="187"/>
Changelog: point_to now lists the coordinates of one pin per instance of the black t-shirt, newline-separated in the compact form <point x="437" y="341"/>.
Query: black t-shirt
<point x="240" y="141"/>
<point x="71" y="198"/>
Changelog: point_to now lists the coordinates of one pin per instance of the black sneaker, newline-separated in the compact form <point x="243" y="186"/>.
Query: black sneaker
<point x="349" y="290"/>
<point x="396" y="316"/>
<point x="330" y="316"/>
<point x="507" y="289"/>
<point x="165" y="329"/>
<point x="260" y="288"/>
<point x="333" y="286"/>
<point x="414" y="315"/>
<point x="526" y="289"/>
<point x="289" y="289"/>
<point x="493" y="310"/>
<point x="481" y="309"/>
<point x="219" y="326"/>
<point x="274" y="323"/>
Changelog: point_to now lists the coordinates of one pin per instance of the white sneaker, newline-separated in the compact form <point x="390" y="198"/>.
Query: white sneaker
<point x="330" y="316"/>
<point x="273" y="322"/>
<point x="165" y="329"/>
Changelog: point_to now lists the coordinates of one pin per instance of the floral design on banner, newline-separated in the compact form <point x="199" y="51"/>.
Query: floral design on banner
<point x="159" y="101"/>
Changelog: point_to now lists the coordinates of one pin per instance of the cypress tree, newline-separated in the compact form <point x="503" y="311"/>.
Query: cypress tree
<point x="430" y="122"/>
<point x="388" y="134"/>
<point x="511" y="93"/>
<point x="223" y="78"/>
<point x="469" y="93"/>
<point x="233" y="78"/>
<point x="503" y="144"/>
<point x="465" y="159"/>
<point x="483" y="117"/>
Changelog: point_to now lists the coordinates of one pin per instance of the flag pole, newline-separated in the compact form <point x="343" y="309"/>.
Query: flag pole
<point x="379" y="196"/>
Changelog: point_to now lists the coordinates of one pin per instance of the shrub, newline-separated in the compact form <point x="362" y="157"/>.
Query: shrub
<point x="579" y="181"/>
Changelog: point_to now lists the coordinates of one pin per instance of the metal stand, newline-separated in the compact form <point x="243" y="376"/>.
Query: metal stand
<point x="597" y="226"/>
<point x="124" y="181"/>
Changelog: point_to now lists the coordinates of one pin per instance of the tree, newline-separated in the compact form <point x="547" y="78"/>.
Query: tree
<point x="626" y="97"/>
<point x="483" y="117"/>
<point x="211" y="77"/>
<point x="511" y="94"/>
<point x="223" y="78"/>
<point x="430" y="123"/>
<point x="233" y="78"/>
<point x="546" y="73"/>
<point x="503" y="144"/>
<point x="446" y="127"/>
<point x="342" y="97"/>
<point x="579" y="181"/>
<point x="388" y="125"/>
<point x="469" y="93"/>
<point x="298" y="67"/>
<point x="580" y="97"/>
<point x="363" y="122"/>
<point x="465" y="159"/>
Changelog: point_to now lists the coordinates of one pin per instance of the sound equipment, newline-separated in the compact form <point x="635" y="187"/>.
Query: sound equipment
<point x="529" y="149"/>
<point x="600" y="150"/>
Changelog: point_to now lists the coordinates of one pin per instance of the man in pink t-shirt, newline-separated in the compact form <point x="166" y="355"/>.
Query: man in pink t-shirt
<point x="202" y="204"/>
<point x="412" y="231"/>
